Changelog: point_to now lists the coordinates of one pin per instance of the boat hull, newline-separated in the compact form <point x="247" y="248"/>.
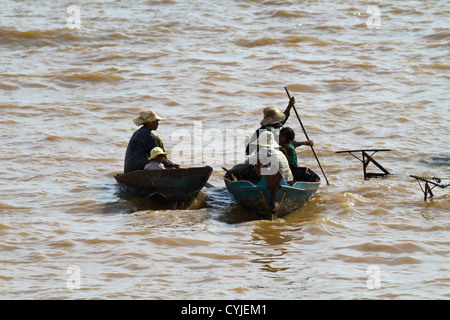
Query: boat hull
<point x="180" y="185"/>
<point x="282" y="200"/>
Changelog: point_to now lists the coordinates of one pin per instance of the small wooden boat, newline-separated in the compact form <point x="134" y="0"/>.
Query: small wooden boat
<point x="177" y="185"/>
<point x="271" y="196"/>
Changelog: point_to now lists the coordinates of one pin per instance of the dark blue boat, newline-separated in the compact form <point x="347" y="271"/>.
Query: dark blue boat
<point x="271" y="196"/>
<point x="173" y="185"/>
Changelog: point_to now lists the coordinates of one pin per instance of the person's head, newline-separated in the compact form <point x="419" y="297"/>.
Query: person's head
<point x="149" y="118"/>
<point x="160" y="158"/>
<point x="157" y="154"/>
<point x="286" y="135"/>
<point x="272" y="116"/>
<point x="152" y="125"/>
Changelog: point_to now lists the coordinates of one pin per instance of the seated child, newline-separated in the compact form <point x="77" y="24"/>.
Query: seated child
<point x="287" y="136"/>
<point x="156" y="159"/>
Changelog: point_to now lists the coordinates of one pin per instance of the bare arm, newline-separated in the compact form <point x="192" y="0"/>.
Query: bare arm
<point x="303" y="143"/>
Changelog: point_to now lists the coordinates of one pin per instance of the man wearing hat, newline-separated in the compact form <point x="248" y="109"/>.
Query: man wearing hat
<point x="143" y="141"/>
<point x="273" y="120"/>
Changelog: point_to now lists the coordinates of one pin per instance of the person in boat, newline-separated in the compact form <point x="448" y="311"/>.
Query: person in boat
<point x="287" y="136"/>
<point x="288" y="145"/>
<point x="155" y="161"/>
<point x="143" y="141"/>
<point x="273" y="120"/>
<point x="269" y="159"/>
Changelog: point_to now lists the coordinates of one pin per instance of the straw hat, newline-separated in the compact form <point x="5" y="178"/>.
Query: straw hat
<point x="266" y="139"/>
<point x="146" y="116"/>
<point x="272" y="115"/>
<point x="156" y="152"/>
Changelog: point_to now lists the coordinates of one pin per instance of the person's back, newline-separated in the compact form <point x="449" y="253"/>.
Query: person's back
<point x="154" y="165"/>
<point x="272" y="160"/>
<point x="141" y="142"/>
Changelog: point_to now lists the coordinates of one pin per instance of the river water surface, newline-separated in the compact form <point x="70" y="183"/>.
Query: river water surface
<point x="70" y="88"/>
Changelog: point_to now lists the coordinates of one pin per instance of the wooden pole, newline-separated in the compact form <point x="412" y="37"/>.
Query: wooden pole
<point x="307" y="138"/>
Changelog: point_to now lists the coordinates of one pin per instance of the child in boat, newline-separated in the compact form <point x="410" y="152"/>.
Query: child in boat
<point x="288" y="145"/>
<point x="287" y="136"/>
<point x="155" y="161"/>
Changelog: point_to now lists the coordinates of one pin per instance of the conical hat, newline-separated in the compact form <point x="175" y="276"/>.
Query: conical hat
<point x="272" y="115"/>
<point x="146" y="116"/>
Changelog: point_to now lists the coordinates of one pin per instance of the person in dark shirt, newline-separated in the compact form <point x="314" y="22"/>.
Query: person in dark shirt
<point x="143" y="141"/>
<point x="273" y="120"/>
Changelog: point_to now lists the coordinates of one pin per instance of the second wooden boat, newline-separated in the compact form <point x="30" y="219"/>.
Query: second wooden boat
<point x="179" y="185"/>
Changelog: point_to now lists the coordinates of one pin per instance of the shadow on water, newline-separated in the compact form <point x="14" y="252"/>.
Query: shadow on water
<point x="225" y="209"/>
<point x="110" y="199"/>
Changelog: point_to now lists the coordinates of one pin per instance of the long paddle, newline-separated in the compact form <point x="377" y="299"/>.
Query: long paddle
<point x="301" y="124"/>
